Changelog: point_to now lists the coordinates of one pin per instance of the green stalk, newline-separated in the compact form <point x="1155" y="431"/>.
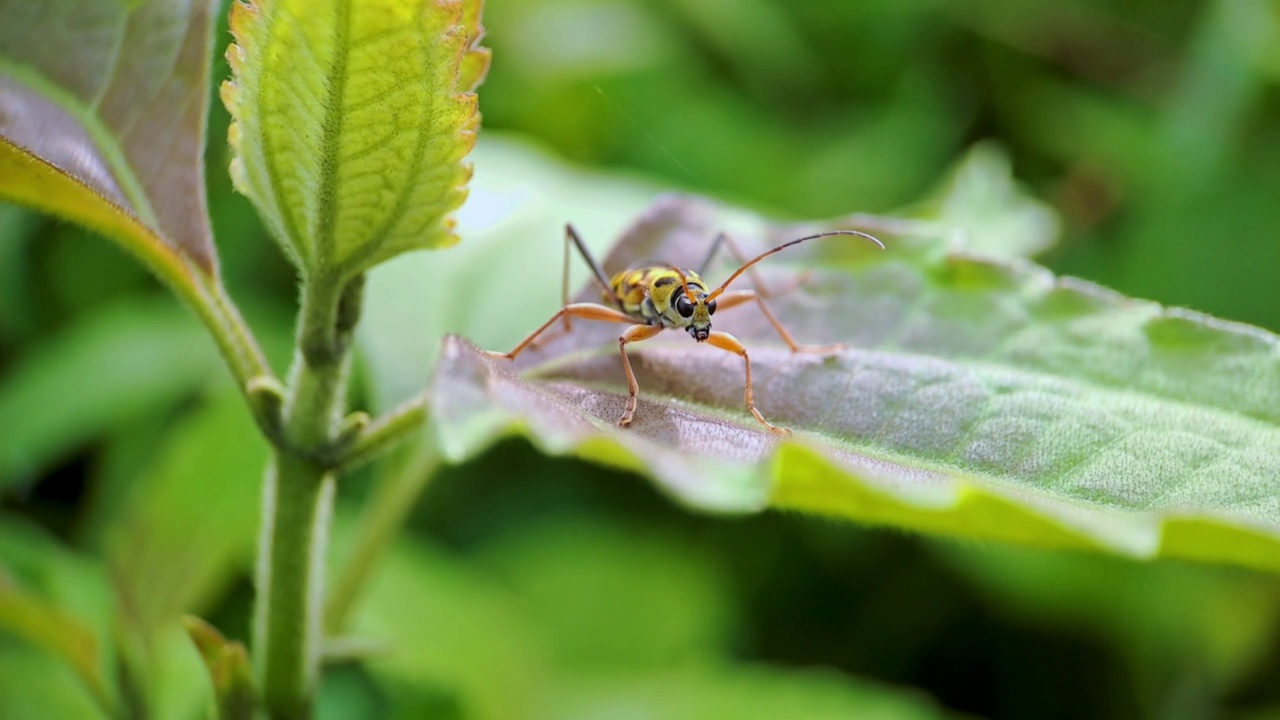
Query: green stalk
<point x="298" y="505"/>
<point x="385" y="433"/>
<point x="299" y="501"/>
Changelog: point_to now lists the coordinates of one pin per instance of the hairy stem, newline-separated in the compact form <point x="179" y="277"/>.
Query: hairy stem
<point x="385" y="433"/>
<point x="297" y="508"/>
<point x="206" y="296"/>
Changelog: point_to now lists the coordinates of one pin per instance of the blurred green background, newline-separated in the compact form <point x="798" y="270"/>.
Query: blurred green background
<point x="1152" y="128"/>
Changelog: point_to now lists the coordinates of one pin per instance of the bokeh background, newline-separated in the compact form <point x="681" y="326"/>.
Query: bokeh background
<point x="1151" y="128"/>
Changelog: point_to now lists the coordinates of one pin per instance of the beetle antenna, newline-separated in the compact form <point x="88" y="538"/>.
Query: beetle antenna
<point x="780" y="248"/>
<point x="684" y="282"/>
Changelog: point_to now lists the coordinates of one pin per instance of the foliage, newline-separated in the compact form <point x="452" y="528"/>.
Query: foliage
<point x="977" y="398"/>
<point x="350" y="123"/>
<point x="532" y="585"/>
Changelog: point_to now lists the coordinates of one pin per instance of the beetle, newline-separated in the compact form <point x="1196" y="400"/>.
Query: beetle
<point x="653" y="297"/>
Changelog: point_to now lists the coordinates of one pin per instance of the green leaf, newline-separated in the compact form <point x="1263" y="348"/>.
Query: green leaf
<point x="351" y="123"/>
<point x="37" y="687"/>
<point x="605" y="598"/>
<point x="173" y="678"/>
<point x="987" y="210"/>
<point x="121" y="362"/>
<point x="454" y="638"/>
<point x="189" y="524"/>
<point x="102" y="115"/>
<point x="742" y="693"/>
<point x="228" y="666"/>
<point x="58" y="601"/>
<point x="977" y="399"/>
<point x="55" y="631"/>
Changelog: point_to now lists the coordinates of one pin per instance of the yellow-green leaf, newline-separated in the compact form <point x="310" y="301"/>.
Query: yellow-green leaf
<point x="228" y="666"/>
<point x="59" y="602"/>
<point x="977" y="398"/>
<point x="102" y="115"/>
<point x="54" y="630"/>
<point x="352" y="121"/>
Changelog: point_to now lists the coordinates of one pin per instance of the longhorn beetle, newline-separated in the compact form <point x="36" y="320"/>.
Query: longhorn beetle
<point x="655" y="297"/>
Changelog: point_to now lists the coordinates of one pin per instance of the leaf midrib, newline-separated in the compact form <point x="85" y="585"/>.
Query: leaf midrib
<point x="568" y="359"/>
<point x="331" y="137"/>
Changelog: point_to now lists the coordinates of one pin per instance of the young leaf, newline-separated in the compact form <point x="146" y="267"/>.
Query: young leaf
<point x="351" y="122"/>
<point x="102" y="114"/>
<point x="976" y="399"/>
<point x="228" y="666"/>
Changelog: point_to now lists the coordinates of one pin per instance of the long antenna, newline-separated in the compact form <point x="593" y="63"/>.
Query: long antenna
<point x="684" y="282"/>
<point x="784" y="246"/>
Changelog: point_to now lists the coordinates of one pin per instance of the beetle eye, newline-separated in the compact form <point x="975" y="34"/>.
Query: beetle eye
<point x="683" y="306"/>
<point x="711" y="308"/>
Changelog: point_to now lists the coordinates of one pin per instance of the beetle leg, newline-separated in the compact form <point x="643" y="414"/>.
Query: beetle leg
<point x="586" y="311"/>
<point x="633" y="334"/>
<point x="725" y="341"/>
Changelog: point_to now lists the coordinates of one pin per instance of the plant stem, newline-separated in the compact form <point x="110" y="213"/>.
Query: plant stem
<point x="235" y="341"/>
<point x="206" y="296"/>
<point x="299" y="500"/>
<point x="297" y="508"/>
<point x="385" y="433"/>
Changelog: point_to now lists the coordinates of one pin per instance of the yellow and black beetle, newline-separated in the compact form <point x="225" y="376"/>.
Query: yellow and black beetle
<point x="652" y="298"/>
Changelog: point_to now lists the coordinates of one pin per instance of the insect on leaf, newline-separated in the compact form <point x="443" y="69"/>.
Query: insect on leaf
<point x="976" y="399"/>
<point x="351" y="123"/>
<point x="102" y="118"/>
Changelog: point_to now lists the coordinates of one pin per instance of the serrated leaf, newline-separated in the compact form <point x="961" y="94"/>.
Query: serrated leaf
<point x="351" y="122"/>
<point x="102" y="115"/>
<point x="977" y="399"/>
